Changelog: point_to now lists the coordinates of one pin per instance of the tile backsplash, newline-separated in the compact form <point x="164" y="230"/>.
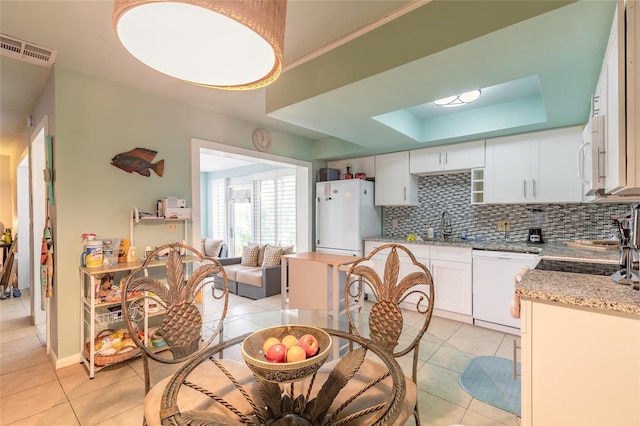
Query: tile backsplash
<point x="452" y="192"/>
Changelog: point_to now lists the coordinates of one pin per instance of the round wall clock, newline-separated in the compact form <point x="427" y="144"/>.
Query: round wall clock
<point x="261" y="139"/>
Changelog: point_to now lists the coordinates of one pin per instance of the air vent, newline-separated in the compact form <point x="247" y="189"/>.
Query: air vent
<point x="26" y="52"/>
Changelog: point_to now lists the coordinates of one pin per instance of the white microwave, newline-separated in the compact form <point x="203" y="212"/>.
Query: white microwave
<point x="591" y="156"/>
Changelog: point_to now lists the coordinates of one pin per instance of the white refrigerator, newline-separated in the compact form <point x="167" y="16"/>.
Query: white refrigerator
<point x="345" y="215"/>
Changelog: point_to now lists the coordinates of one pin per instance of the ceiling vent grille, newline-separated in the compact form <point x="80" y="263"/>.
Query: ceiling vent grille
<point x="26" y="52"/>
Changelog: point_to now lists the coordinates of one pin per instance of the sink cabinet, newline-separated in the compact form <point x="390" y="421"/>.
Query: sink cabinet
<point x="450" y="268"/>
<point x="533" y="168"/>
<point x="421" y="253"/>
<point x="395" y="186"/>
<point x="579" y="365"/>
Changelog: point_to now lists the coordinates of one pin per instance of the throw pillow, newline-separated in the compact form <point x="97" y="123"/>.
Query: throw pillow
<point x="212" y="247"/>
<point x="287" y="249"/>
<point x="261" y="253"/>
<point x="249" y="256"/>
<point x="272" y="256"/>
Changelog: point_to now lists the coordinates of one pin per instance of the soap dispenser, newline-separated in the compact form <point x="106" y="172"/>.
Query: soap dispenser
<point x="430" y="233"/>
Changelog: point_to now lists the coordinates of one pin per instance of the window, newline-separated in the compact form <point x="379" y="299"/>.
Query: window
<point x="218" y="210"/>
<point x="274" y="207"/>
<point x="239" y="216"/>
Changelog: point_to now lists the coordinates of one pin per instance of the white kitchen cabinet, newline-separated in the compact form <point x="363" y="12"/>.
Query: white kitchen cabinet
<point x="447" y="158"/>
<point x="579" y="365"/>
<point x="395" y="186"/>
<point x="533" y="168"/>
<point x="608" y="95"/>
<point x="557" y="178"/>
<point x="450" y="268"/>
<point x="507" y="169"/>
<point x="420" y="252"/>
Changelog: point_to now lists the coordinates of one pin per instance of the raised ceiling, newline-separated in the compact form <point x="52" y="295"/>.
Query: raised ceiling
<point x="539" y="61"/>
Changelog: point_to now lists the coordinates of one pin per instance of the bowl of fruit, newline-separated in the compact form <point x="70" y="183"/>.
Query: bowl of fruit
<point x="286" y="353"/>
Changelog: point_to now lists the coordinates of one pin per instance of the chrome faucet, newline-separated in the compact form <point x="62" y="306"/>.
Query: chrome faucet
<point x="445" y="225"/>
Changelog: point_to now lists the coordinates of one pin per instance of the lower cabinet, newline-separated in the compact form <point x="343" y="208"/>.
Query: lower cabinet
<point x="450" y="268"/>
<point x="452" y="278"/>
<point x="452" y="283"/>
<point x="579" y="365"/>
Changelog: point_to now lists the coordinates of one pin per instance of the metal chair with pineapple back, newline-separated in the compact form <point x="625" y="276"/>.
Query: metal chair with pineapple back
<point x="385" y="322"/>
<point x="172" y="277"/>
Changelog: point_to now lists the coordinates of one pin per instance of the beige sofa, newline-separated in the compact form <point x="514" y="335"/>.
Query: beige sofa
<point x="261" y="280"/>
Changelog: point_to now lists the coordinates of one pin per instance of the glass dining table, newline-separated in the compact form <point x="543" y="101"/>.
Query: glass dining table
<point x="218" y="388"/>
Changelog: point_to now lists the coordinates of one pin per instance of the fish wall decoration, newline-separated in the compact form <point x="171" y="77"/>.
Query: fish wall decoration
<point x="138" y="160"/>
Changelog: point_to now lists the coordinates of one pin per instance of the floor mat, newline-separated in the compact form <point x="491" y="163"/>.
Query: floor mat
<point x="490" y="379"/>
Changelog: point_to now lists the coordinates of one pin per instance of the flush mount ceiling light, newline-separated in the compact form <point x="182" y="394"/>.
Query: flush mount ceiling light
<point x="226" y="44"/>
<point x="458" y="100"/>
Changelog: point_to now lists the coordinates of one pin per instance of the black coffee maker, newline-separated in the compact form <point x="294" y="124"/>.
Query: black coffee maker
<point x="537" y="218"/>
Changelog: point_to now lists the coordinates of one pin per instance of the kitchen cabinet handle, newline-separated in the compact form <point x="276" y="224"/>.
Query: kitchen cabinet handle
<point x="446" y="158"/>
<point x="515" y="360"/>
<point x="535" y="191"/>
<point x="439" y="158"/>
<point x="405" y="194"/>
<point x="524" y="188"/>
<point x="601" y="160"/>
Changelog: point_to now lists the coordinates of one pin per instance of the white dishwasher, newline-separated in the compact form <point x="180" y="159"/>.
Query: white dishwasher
<point x="493" y="289"/>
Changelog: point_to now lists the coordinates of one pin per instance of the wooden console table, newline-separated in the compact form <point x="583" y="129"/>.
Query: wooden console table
<point x="315" y="280"/>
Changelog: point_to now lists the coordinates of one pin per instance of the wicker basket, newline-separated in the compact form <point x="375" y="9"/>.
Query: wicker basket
<point x="102" y="360"/>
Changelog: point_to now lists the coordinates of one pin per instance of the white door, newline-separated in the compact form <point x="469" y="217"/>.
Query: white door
<point x="38" y="199"/>
<point x="239" y="226"/>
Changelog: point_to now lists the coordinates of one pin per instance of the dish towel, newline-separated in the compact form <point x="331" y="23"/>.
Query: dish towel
<point x="515" y="305"/>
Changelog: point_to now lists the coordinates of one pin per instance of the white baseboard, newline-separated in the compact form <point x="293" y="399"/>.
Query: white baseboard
<point x="497" y="327"/>
<point x="66" y="361"/>
<point x="453" y="316"/>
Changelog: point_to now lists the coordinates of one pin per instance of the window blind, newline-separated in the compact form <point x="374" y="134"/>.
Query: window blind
<point x="218" y="210"/>
<point x="274" y="207"/>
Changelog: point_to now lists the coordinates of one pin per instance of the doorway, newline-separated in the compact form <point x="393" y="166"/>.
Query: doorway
<point x="301" y="170"/>
<point x="31" y="210"/>
<point x="239" y="225"/>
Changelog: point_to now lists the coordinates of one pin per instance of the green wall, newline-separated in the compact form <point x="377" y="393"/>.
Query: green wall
<point x="96" y="119"/>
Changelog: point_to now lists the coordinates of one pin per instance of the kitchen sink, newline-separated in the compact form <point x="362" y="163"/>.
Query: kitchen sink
<point x="577" y="267"/>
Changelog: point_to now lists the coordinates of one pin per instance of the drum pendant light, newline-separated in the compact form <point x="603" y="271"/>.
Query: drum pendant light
<point x="227" y="44"/>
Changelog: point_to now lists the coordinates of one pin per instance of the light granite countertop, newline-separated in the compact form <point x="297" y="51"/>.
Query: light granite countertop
<point x="590" y="291"/>
<point x="546" y="250"/>
<point x="585" y="290"/>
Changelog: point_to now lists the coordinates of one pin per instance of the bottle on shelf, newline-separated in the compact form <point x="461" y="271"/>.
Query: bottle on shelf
<point x="108" y="255"/>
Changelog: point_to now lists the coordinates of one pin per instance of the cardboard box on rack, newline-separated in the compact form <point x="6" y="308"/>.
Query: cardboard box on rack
<point x="177" y="213"/>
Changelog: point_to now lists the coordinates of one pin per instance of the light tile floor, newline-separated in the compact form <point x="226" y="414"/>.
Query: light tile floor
<point x="32" y="392"/>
